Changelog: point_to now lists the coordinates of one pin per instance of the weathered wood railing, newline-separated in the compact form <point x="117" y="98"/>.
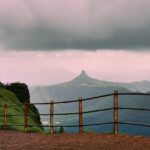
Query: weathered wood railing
<point x="79" y="113"/>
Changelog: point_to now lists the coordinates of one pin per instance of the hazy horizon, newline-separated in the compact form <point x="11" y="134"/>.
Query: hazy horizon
<point x="35" y="68"/>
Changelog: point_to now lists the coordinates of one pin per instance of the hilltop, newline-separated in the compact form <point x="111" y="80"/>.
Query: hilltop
<point x="85" y="80"/>
<point x="82" y="85"/>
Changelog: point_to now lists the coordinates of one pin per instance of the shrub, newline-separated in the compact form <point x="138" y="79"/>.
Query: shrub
<point x="21" y="91"/>
<point x="1" y="84"/>
<point x="62" y="130"/>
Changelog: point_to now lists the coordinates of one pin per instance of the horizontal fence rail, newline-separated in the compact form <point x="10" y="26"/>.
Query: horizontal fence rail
<point x="80" y="112"/>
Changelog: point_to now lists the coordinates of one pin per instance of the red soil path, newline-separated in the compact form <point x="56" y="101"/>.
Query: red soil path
<point x="10" y="140"/>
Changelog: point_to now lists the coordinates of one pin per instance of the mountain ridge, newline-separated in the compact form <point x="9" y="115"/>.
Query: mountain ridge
<point x="84" y="79"/>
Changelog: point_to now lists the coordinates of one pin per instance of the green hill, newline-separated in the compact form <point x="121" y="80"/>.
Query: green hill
<point x="8" y="97"/>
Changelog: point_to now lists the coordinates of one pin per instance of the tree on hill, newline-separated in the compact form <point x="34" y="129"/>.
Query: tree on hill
<point x="1" y="84"/>
<point x="21" y="91"/>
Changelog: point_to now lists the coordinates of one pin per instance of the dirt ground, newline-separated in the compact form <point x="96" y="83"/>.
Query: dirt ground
<point x="10" y="140"/>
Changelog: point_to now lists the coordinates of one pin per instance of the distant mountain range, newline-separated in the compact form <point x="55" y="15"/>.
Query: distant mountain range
<point x="82" y="85"/>
<point x="85" y="86"/>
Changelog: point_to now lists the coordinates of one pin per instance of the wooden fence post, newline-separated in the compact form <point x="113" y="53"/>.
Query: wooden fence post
<point x="5" y="113"/>
<point x="80" y="116"/>
<point x="25" y="117"/>
<point x="115" y="112"/>
<point x="52" y="116"/>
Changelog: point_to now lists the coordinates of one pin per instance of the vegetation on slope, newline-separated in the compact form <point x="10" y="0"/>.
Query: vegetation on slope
<point x="8" y="97"/>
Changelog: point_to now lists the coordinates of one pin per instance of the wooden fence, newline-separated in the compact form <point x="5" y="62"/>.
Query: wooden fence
<point x="80" y="113"/>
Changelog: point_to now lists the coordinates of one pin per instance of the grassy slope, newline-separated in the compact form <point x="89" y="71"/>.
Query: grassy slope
<point x="7" y="97"/>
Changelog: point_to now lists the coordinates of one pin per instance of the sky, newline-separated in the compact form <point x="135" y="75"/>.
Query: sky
<point x="52" y="41"/>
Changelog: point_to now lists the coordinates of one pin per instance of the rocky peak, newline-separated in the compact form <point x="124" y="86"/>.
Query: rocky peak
<point x="83" y="78"/>
<point x="83" y="74"/>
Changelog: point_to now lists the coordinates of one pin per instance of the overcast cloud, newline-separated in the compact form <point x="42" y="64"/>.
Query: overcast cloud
<point x="74" y="24"/>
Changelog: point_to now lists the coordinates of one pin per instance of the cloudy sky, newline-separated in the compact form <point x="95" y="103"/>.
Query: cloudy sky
<point x="51" y="41"/>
